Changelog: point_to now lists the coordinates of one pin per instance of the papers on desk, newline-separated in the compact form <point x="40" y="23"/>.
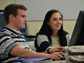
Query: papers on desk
<point x="33" y="60"/>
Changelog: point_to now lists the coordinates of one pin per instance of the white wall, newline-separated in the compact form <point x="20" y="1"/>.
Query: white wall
<point x="38" y="8"/>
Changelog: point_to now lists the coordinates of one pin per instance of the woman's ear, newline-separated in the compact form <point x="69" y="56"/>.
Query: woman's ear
<point x="48" y="22"/>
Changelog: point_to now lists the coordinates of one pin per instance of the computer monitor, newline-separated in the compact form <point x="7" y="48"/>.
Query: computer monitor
<point x="78" y="32"/>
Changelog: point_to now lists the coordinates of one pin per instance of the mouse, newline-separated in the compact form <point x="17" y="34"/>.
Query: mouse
<point x="63" y="57"/>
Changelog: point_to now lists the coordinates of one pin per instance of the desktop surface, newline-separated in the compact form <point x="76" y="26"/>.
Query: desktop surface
<point x="57" y="61"/>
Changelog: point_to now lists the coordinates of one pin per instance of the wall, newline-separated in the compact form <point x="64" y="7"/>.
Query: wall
<point x="34" y="26"/>
<point x="38" y="8"/>
<point x="68" y="25"/>
<point x="4" y="3"/>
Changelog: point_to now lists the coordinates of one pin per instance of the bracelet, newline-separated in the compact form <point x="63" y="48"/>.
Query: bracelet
<point x="48" y="51"/>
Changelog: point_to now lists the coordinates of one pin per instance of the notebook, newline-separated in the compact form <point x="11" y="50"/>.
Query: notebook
<point x="34" y="60"/>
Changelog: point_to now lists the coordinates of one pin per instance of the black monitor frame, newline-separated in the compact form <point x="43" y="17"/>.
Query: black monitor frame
<point x="78" y="32"/>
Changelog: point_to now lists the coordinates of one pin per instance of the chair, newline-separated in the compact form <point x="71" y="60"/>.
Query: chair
<point x="2" y="21"/>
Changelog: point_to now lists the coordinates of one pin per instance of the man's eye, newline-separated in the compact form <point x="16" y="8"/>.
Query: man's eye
<point x="23" y="16"/>
<point x="60" y="19"/>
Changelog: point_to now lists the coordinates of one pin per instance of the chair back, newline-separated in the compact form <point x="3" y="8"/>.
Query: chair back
<point x="2" y="21"/>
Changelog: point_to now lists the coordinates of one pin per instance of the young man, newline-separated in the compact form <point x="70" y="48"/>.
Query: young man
<point x="12" y="43"/>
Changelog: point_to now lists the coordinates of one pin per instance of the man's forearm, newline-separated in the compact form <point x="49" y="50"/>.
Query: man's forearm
<point x="31" y="54"/>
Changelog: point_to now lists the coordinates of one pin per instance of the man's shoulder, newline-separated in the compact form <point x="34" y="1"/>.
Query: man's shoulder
<point x="4" y="33"/>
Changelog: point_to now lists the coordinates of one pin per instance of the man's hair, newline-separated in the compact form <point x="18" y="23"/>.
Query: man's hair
<point x="12" y="9"/>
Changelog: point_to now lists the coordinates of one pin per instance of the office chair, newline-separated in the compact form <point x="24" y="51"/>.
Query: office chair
<point x="2" y="22"/>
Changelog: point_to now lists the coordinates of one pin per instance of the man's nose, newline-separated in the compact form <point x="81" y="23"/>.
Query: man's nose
<point x="25" y="19"/>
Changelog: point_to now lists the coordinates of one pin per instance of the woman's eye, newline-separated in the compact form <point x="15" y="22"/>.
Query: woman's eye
<point x="54" y="19"/>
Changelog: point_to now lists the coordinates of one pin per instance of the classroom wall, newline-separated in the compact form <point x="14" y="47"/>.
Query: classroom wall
<point x="4" y="3"/>
<point x="34" y="26"/>
<point x="38" y="8"/>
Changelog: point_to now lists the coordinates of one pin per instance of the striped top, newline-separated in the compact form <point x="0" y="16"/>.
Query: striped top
<point x="9" y="38"/>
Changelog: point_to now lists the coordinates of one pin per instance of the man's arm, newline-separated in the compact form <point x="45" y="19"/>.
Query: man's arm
<point x="26" y="53"/>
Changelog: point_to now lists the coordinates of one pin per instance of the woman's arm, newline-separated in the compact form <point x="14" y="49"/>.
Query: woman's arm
<point x="44" y="45"/>
<point x="57" y="49"/>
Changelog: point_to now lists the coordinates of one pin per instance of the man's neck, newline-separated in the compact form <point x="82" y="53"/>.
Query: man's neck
<point x="11" y="26"/>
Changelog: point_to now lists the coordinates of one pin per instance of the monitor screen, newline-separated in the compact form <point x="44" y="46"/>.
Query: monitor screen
<point x="78" y="32"/>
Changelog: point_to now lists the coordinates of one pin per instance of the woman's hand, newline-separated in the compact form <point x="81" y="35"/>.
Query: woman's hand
<point x="56" y="55"/>
<point x="57" y="49"/>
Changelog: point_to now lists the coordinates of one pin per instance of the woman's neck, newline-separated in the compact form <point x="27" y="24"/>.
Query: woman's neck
<point x="55" y="34"/>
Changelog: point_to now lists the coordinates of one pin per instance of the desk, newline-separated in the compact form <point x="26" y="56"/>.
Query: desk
<point x="58" y="61"/>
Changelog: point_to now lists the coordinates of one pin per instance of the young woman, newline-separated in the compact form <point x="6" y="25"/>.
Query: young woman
<point x="52" y="37"/>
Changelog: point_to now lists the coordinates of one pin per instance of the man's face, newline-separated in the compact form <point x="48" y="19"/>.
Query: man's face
<point x="20" y="19"/>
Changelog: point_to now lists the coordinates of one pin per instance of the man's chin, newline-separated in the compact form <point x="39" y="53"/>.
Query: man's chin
<point x="22" y="28"/>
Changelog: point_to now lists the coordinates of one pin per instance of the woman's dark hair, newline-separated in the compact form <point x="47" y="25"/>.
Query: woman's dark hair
<point x="46" y="30"/>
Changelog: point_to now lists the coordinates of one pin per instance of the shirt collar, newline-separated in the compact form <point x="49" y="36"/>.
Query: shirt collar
<point x="12" y="30"/>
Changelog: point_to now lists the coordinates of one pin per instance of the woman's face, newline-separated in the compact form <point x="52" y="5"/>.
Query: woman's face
<point x="55" y="21"/>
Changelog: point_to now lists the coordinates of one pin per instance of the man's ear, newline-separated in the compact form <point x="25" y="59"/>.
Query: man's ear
<point x="11" y="16"/>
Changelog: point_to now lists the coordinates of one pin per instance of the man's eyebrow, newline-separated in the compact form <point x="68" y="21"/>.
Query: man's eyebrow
<point x="23" y="15"/>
